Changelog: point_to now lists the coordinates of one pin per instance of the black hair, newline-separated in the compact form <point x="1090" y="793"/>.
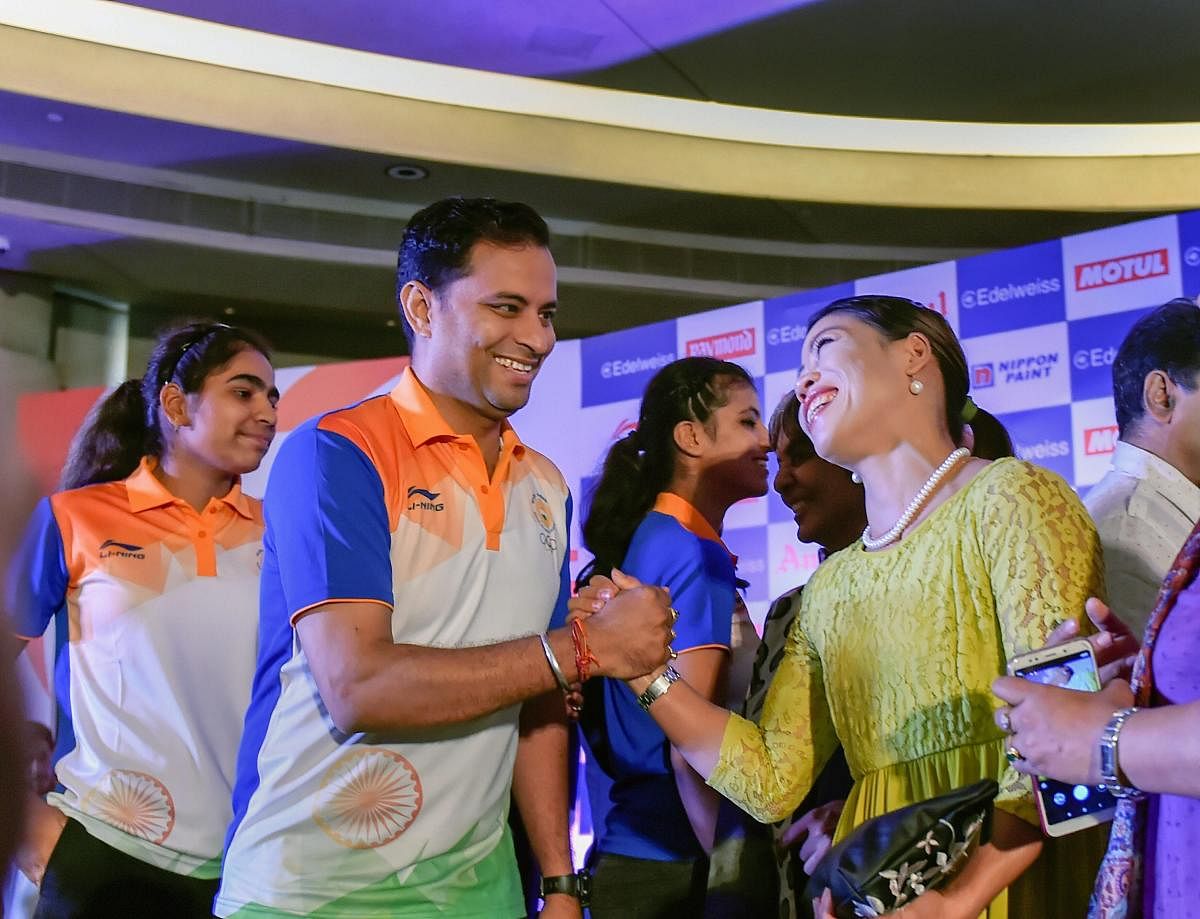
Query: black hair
<point x="641" y="464"/>
<point x="438" y="240"/>
<point x="896" y="318"/>
<point x="785" y="422"/>
<point x="126" y="425"/>
<point x="1166" y="339"/>
<point x="992" y="440"/>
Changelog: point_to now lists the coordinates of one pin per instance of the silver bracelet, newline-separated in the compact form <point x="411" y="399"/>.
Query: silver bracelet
<point x="658" y="688"/>
<point x="553" y="662"/>
<point x="1110" y="767"/>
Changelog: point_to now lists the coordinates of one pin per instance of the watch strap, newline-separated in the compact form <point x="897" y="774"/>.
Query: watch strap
<point x="577" y="885"/>
<point x="658" y="688"/>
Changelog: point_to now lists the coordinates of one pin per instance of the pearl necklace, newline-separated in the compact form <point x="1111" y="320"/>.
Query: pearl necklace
<point x="916" y="504"/>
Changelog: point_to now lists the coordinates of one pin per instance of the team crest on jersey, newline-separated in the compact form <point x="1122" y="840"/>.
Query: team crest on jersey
<point x="545" y="519"/>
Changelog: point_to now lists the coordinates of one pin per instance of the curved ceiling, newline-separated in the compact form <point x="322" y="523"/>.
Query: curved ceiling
<point x="190" y="153"/>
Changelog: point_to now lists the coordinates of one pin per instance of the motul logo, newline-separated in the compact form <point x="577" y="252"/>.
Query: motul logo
<point x="1097" y="441"/>
<point x="724" y="346"/>
<point x="1120" y="270"/>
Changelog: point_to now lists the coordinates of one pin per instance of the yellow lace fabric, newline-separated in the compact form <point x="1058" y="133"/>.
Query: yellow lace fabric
<point x="893" y="653"/>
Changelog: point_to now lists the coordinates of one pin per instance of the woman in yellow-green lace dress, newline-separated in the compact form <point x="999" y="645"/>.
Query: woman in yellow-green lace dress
<point x="964" y="564"/>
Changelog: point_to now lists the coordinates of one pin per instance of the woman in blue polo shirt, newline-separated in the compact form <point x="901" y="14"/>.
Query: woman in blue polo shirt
<point x="656" y="513"/>
<point x="148" y="563"/>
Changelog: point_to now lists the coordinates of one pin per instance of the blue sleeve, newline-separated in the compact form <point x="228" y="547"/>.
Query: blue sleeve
<point x="37" y="576"/>
<point x="699" y="574"/>
<point x="327" y="523"/>
<point x="559" y="619"/>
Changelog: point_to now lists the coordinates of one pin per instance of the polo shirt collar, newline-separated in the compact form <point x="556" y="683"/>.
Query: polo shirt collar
<point x="146" y="492"/>
<point x="425" y="423"/>
<point x="689" y="518"/>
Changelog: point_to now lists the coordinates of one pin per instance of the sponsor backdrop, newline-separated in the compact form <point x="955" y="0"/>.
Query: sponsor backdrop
<point x="1040" y="326"/>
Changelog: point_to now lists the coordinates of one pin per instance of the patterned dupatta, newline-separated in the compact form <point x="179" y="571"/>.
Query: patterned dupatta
<point x="1118" y="893"/>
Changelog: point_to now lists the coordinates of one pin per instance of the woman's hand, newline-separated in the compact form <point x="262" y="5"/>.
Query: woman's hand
<point x="813" y="833"/>
<point x="930" y="905"/>
<point x="1115" y="644"/>
<point x="591" y="598"/>
<point x="1056" y="731"/>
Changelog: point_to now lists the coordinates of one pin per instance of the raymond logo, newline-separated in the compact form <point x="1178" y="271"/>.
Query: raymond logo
<point x="725" y="346"/>
<point x="1111" y="271"/>
<point x="1097" y="441"/>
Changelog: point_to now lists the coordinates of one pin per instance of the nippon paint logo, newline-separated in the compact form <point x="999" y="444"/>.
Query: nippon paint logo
<point x="724" y="346"/>
<point x="1100" y="440"/>
<point x="983" y="376"/>
<point x="1126" y="268"/>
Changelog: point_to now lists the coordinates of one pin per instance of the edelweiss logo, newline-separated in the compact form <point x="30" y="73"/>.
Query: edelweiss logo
<point x="622" y="429"/>
<point x="110" y="548"/>
<point x="422" y="500"/>
<point x="1120" y="270"/>
<point x="725" y="346"/>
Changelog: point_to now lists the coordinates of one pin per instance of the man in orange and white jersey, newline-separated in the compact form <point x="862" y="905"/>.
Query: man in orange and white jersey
<point x="416" y="553"/>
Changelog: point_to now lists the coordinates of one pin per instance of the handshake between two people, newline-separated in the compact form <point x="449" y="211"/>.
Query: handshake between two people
<point x="629" y="625"/>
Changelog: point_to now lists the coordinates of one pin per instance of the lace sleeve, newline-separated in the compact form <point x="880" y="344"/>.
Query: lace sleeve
<point x="768" y="768"/>
<point x="1045" y="561"/>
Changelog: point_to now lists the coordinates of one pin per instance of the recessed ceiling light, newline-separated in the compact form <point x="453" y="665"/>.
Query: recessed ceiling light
<point x="229" y="311"/>
<point x="391" y="323"/>
<point x="406" y="172"/>
<point x="54" y="118"/>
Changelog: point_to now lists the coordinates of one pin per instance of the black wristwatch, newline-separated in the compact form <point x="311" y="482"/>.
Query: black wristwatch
<point x="577" y="885"/>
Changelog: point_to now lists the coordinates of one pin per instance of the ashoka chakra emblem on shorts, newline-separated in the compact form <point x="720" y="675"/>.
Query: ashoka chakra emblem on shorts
<point x="368" y="798"/>
<point x="134" y="802"/>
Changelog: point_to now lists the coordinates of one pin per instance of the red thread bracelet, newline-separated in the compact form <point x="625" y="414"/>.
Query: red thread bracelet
<point x="584" y="657"/>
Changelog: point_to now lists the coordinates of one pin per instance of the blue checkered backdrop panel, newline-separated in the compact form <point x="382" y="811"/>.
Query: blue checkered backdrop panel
<point x="1039" y="324"/>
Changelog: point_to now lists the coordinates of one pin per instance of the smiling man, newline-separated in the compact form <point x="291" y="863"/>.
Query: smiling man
<point x="416" y="552"/>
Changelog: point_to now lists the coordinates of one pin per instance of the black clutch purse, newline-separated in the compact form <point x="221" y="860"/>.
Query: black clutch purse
<point x="892" y="859"/>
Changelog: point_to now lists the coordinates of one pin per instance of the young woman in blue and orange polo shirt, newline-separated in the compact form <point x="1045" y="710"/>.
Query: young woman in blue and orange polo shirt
<point x="656" y="513"/>
<point x="148" y="564"/>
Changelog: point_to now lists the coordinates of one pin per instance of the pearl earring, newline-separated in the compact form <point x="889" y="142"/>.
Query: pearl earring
<point x="856" y="478"/>
<point x="915" y="386"/>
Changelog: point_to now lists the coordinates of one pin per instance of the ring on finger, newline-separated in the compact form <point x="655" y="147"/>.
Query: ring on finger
<point x="672" y="653"/>
<point x="674" y="614"/>
<point x="1013" y="755"/>
<point x="1004" y="721"/>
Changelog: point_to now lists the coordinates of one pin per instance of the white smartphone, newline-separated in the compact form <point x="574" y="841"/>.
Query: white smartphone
<point x="1066" y="808"/>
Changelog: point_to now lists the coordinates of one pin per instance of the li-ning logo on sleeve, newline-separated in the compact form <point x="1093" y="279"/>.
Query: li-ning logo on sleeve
<point x="110" y="548"/>
<point x="542" y="514"/>
<point x="422" y="500"/>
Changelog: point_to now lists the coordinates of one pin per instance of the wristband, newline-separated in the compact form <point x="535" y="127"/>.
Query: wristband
<point x="553" y="662"/>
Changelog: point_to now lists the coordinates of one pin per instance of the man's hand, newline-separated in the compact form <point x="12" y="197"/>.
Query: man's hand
<point x="1115" y="644"/>
<point x="560" y="906"/>
<point x="1056" y="730"/>
<point x="631" y="633"/>
<point x="814" y="834"/>
<point x="44" y="825"/>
